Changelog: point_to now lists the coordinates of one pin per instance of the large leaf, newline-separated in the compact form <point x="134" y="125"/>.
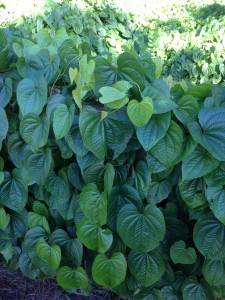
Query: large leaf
<point x="35" y="220"/>
<point x="193" y="192"/>
<point x="72" y="248"/>
<point x="51" y="255"/>
<point x="69" y="278"/>
<point x="142" y="178"/>
<point x="140" y="112"/>
<point x="193" y="290"/>
<point x="211" y="132"/>
<point x="32" y="95"/>
<point x="74" y="139"/>
<point x="169" y="147"/>
<point x="36" y="166"/>
<point x="141" y="231"/>
<point x="121" y="195"/>
<point x="197" y="164"/>
<point x="13" y="192"/>
<point x="62" y="120"/>
<point x="28" y="268"/>
<point x="93" y="236"/>
<point x="147" y="268"/>
<point x="209" y="237"/>
<point x="187" y="110"/>
<point x="58" y="186"/>
<point x="109" y="272"/>
<point x="35" y="130"/>
<point x="162" y="103"/>
<point x="213" y="271"/>
<point x="4" y="219"/>
<point x="113" y="132"/>
<point x="4" y="125"/>
<point x="216" y="198"/>
<point x="94" y="204"/>
<point x="5" y="91"/>
<point x="15" y="146"/>
<point x="149" y="294"/>
<point x="67" y="205"/>
<point x="18" y="224"/>
<point x="128" y="68"/>
<point x="182" y="255"/>
<point x="153" y="131"/>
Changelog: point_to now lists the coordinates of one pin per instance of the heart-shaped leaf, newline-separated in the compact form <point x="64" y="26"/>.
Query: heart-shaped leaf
<point x="62" y="120"/>
<point x="94" y="204"/>
<point x="141" y="231"/>
<point x="69" y="278"/>
<point x="93" y="236"/>
<point x="182" y="255"/>
<point x="147" y="268"/>
<point x="140" y="112"/>
<point x="51" y="255"/>
<point x="109" y="272"/>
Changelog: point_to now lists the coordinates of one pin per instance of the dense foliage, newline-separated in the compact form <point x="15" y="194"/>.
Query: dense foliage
<point x="187" y="35"/>
<point x="108" y="176"/>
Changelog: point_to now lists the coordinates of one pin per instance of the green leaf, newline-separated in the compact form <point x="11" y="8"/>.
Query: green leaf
<point x="213" y="272"/>
<point x="217" y="177"/>
<point x="109" y="176"/>
<point x="193" y="290"/>
<point x="147" y="268"/>
<point x="69" y="278"/>
<point x="121" y="195"/>
<point x="141" y="231"/>
<point x="72" y="249"/>
<point x="193" y="192"/>
<point x="169" y="147"/>
<point x="38" y="220"/>
<point x="32" y="95"/>
<point x="74" y="139"/>
<point x="28" y="268"/>
<point x="216" y="199"/>
<point x="182" y="255"/>
<point x="169" y="293"/>
<point x="5" y="91"/>
<point x="36" y="166"/>
<point x="128" y="68"/>
<point x="142" y="178"/>
<point x="210" y="134"/>
<point x="62" y="120"/>
<point x="209" y="237"/>
<point x="34" y="130"/>
<point x="140" y="112"/>
<point x="67" y="205"/>
<point x="58" y="186"/>
<point x="109" y="272"/>
<point x="39" y="208"/>
<point x="4" y="219"/>
<point x="152" y="132"/>
<point x="113" y="132"/>
<point x="51" y="255"/>
<point x="162" y="103"/>
<point x="110" y="94"/>
<point x="197" y="164"/>
<point x="43" y="38"/>
<point x="149" y="294"/>
<point x="13" y="192"/>
<point x="94" y="204"/>
<point x="187" y="110"/>
<point x="200" y="91"/>
<point x="4" y="125"/>
<point x="18" y="224"/>
<point x="159" y="191"/>
<point x="93" y="236"/>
